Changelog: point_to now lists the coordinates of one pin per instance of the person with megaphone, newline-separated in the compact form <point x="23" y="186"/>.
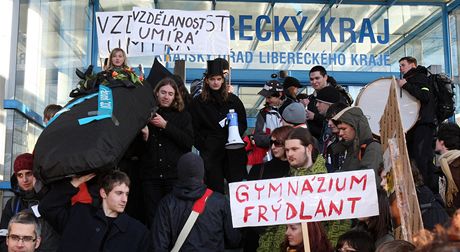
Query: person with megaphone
<point x="216" y="136"/>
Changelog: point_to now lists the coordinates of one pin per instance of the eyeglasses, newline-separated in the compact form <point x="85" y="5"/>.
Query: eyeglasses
<point x="25" y="239"/>
<point x="277" y="143"/>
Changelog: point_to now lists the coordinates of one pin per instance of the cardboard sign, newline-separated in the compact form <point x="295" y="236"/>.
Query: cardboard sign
<point x="186" y="32"/>
<point x="333" y="196"/>
<point x="114" y="30"/>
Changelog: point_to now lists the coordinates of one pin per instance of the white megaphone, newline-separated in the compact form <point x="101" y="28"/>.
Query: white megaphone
<point x="234" y="140"/>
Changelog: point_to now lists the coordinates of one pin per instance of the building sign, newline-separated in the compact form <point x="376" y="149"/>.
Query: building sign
<point x="197" y="36"/>
<point x="320" y="197"/>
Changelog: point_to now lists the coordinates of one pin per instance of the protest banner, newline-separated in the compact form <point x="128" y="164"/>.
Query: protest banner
<point x="114" y="30"/>
<point x="400" y="180"/>
<point x="320" y="197"/>
<point x="186" y="32"/>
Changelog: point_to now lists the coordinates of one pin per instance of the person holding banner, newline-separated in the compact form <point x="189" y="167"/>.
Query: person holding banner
<point x="293" y="241"/>
<point x="363" y="152"/>
<point x="304" y="159"/>
<point x="209" y="112"/>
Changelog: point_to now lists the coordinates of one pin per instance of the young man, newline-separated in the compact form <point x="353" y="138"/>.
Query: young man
<point x="420" y="136"/>
<point x="362" y="152"/>
<point x="319" y="79"/>
<point x="23" y="233"/>
<point x="22" y="184"/>
<point x="209" y="112"/>
<point x="212" y="230"/>
<point x="291" y="86"/>
<point x="88" y="228"/>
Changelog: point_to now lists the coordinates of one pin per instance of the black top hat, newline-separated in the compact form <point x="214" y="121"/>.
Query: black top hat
<point x="215" y="67"/>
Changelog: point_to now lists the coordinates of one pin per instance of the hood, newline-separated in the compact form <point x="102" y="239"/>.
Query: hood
<point x="413" y="71"/>
<point x="354" y="116"/>
<point x="190" y="191"/>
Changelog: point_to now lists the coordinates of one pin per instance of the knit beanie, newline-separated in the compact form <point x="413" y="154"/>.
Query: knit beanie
<point x="328" y="94"/>
<point x="23" y="162"/>
<point x="190" y="166"/>
<point x="291" y="82"/>
<point x="294" y="113"/>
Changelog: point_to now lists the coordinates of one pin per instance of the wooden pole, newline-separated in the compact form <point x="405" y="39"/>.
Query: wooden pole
<point x="306" y="239"/>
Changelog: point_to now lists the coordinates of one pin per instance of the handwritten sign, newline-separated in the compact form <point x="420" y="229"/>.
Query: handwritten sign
<point x="319" y="197"/>
<point x="186" y="32"/>
<point x="114" y="29"/>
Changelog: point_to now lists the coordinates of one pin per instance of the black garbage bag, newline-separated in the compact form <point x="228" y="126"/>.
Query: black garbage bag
<point x="75" y="144"/>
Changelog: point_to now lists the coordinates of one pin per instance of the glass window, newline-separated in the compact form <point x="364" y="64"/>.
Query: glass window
<point x="53" y="40"/>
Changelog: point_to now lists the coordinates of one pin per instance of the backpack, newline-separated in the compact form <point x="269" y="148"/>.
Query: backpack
<point x="443" y="90"/>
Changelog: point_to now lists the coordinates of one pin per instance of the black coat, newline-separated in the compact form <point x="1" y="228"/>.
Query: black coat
<point x="85" y="228"/>
<point x="419" y="86"/>
<point x="275" y="168"/>
<point x="165" y="146"/>
<point x="206" y="117"/>
<point x="315" y="125"/>
<point x="211" y="230"/>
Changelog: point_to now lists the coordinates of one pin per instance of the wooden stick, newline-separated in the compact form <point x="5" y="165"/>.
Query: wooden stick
<point x="306" y="239"/>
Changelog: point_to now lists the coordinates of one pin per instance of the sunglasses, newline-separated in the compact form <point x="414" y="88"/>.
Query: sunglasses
<point x="277" y="143"/>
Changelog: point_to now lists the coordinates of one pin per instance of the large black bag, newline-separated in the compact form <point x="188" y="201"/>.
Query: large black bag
<point x="67" y="148"/>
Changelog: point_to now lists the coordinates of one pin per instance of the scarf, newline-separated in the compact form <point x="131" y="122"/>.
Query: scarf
<point x="452" y="189"/>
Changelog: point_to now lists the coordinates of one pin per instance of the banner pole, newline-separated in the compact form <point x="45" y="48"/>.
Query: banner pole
<point x="306" y="239"/>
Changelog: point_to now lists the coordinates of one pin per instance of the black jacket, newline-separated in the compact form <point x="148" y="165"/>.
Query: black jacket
<point x="24" y="201"/>
<point x="419" y="86"/>
<point x="165" y="146"/>
<point x="275" y="168"/>
<point x="211" y="230"/>
<point x="85" y="228"/>
<point x="315" y="125"/>
<point x="206" y="117"/>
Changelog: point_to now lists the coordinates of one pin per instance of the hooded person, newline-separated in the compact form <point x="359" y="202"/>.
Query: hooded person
<point x="212" y="231"/>
<point x="25" y="198"/>
<point x="209" y="112"/>
<point x="363" y="152"/>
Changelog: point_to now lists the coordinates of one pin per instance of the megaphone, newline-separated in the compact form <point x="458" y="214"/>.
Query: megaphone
<point x="234" y="140"/>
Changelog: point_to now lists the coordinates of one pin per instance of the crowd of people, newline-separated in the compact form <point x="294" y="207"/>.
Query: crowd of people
<point x="178" y="199"/>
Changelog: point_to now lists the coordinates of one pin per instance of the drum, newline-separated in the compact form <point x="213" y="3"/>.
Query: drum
<point x="372" y="100"/>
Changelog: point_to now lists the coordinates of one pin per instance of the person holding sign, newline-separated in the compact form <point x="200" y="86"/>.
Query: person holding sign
<point x="209" y="112"/>
<point x="304" y="159"/>
<point x="293" y="241"/>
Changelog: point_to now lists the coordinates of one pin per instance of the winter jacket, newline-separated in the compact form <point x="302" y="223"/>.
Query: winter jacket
<point x="165" y="146"/>
<point x="212" y="230"/>
<point x="86" y="228"/>
<point x="361" y="152"/>
<point x="24" y="201"/>
<point x="315" y="125"/>
<point x="267" y="120"/>
<point x="431" y="208"/>
<point x="419" y="86"/>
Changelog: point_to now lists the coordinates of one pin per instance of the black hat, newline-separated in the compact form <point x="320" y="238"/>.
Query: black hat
<point x="271" y="87"/>
<point x="291" y="82"/>
<point x="328" y="94"/>
<point x="215" y="67"/>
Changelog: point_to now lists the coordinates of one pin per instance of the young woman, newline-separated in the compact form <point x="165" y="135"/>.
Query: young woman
<point x="209" y="112"/>
<point x="168" y="136"/>
<point x="317" y="236"/>
<point x="278" y="167"/>
<point x="117" y="59"/>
